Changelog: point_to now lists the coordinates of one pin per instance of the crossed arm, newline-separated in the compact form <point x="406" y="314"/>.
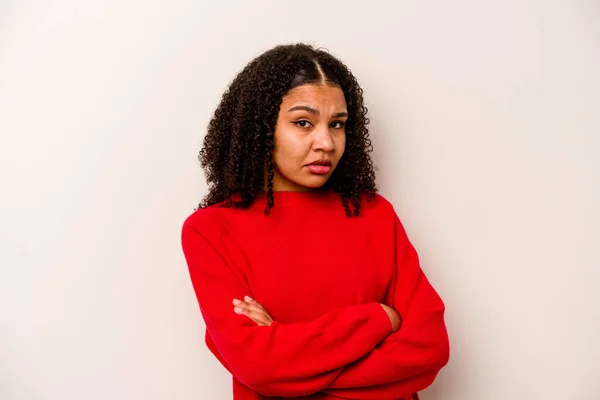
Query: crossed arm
<point x="355" y="352"/>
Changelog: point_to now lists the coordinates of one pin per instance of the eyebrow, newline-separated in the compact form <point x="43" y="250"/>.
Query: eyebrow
<point x="316" y="112"/>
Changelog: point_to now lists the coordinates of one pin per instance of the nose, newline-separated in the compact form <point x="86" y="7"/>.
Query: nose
<point x="323" y="140"/>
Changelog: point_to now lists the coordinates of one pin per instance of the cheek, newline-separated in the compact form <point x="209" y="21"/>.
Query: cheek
<point x="288" y="147"/>
<point x="341" y="145"/>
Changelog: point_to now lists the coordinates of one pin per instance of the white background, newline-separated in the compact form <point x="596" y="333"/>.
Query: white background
<point x="485" y="120"/>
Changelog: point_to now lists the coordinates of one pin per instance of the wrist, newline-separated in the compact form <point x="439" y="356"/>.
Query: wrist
<point x="394" y="317"/>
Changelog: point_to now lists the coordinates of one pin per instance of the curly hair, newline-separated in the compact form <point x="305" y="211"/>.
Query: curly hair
<point x="238" y="147"/>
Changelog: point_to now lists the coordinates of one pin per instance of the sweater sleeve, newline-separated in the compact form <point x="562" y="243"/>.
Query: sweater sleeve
<point x="408" y="360"/>
<point x="282" y="359"/>
<point x="398" y="390"/>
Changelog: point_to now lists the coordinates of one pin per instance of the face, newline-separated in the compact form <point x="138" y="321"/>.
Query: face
<point x="310" y="137"/>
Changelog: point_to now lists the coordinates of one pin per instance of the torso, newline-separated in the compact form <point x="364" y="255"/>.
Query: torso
<point x="302" y="261"/>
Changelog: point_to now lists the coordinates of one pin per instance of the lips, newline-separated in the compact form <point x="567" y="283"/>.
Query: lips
<point x="323" y="162"/>
<point x="319" y="167"/>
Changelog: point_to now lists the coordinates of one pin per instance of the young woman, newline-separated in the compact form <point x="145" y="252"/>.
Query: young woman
<point x="305" y="277"/>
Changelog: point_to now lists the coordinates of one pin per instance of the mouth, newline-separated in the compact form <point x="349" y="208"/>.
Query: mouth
<point x="320" y="167"/>
<point x="325" y="163"/>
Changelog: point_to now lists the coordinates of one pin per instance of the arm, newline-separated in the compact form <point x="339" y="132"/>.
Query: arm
<point x="406" y="361"/>
<point x="390" y="391"/>
<point x="277" y="360"/>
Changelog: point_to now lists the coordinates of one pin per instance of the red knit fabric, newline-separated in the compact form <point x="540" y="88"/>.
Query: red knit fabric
<point x="321" y="276"/>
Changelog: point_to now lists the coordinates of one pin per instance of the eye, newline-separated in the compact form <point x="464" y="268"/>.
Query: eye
<point x="337" y="124"/>
<point x="302" y="123"/>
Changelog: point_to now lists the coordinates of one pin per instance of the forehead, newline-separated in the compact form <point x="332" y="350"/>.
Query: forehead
<point x="316" y="95"/>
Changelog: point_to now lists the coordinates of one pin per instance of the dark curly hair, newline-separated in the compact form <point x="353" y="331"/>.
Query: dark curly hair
<point x="240" y="139"/>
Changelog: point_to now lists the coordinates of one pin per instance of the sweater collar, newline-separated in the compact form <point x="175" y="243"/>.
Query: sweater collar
<point x="311" y="198"/>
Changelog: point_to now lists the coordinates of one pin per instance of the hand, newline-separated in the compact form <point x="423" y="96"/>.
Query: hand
<point x="395" y="318"/>
<point x="253" y="310"/>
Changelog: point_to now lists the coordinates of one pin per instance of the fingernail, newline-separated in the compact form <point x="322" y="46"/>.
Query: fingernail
<point x="248" y="298"/>
<point x="236" y="302"/>
<point x="237" y="310"/>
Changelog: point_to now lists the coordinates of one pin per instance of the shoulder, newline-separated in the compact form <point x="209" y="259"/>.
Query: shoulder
<point x="210" y="222"/>
<point x="378" y="206"/>
<point x="381" y="213"/>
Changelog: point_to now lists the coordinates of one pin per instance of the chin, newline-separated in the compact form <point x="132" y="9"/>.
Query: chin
<point x="314" y="182"/>
<point x="300" y="182"/>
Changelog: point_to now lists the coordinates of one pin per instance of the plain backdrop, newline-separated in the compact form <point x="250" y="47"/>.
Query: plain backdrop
<point x="485" y="122"/>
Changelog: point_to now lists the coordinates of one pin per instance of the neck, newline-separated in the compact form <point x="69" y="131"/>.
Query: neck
<point x="314" y="197"/>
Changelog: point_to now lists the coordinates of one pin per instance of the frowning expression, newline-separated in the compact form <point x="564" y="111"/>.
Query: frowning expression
<point x="310" y="137"/>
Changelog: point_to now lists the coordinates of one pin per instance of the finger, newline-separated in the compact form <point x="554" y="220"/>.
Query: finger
<point x="253" y="310"/>
<point x="248" y="306"/>
<point x="257" y="316"/>
<point x="250" y="300"/>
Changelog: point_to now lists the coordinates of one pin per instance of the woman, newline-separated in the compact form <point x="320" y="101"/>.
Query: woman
<point x="307" y="282"/>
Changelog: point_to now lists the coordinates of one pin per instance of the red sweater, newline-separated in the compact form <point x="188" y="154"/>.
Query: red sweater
<point x="321" y="277"/>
